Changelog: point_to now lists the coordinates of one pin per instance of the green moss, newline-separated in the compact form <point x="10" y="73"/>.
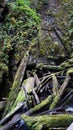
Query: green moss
<point x="47" y="122"/>
<point x="18" y="30"/>
<point x="43" y="104"/>
<point x="12" y="96"/>
<point x="20" y="98"/>
<point x="4" y="67"/>
<point x="3" y="70"/>
<point x="29" y="84"/>
<point x="70" y="71"/>
<point x="42" y="50"/>
<point x="16" y="84"/>
<point x="67" y="64"/>
<point x="22" y="2"/>
<point x="54" y="102"/>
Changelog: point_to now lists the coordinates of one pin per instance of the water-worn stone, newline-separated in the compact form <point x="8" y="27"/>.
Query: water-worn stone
<point x="70" y="127"/>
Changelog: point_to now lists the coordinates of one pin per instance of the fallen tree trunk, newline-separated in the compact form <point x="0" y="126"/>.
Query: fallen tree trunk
<point x="47" y="122"/>
<point x="41" y="122"/>
<point x="11" y="114"/>
<point x="55" y="68"/>
<point x="11" y="123"/>
<point x="17" y="83"/>
<point x="40" y="107"/>
<point x="36" y="96"/>
<point x="49" y="67"/>
<point x="55" y="85"/>
<point x="60" y="92"/>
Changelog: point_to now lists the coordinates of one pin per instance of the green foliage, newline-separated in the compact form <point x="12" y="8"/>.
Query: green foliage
<point x="22" y="2"/>
<point x="29" y="13"/>
<point x="71" y="24"/>
<point x="20" y="98"/>
<point x="71" y="27"/>
<point x="19" y="28"/>
<point x="43" y="1"/>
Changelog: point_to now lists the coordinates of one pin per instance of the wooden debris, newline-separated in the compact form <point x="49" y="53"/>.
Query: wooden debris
<point x="28" y="84"/>
<point x="11" y="114"/>
<point x="17" y="83"/>
<point x="40" y="106"/>
<point x="37" y="81"/>
<point x="40" y="97"/>
<point x="36" y="96"/>
<point x="60" y="93"/>
<point x="49" y="67"/>
<point x="55" y="85"/>
<point x="48" y="122"/>
<point x="11" y="123"/>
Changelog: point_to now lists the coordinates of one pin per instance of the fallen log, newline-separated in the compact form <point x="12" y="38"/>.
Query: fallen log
<point x="20" y="98"/>
<point x="43" y="122"/>
<point x="55" y="68"/>
<point x="68" y="101"/>
<point x="38" y="108"/>
<point x="47" y="122"/>
<point x="37" y="81"/>
<point x="28" y="86"/>
<point x="66" y="97"/>
<point x="17" y="83"/>
<point x="49" y="112"/>
<point x="60" y="92"/>
<point x="23" y="95"/>
<point x="49" y="67"/>
<point x="36" y="96"/>
<point x="55" y="85"/>
<point x="43" y="83"/>
<point x="11" y="123"/>
<point x="11" y="114"/>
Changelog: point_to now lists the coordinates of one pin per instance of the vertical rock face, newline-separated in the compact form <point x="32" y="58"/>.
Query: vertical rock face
<point x="15" y="36"/>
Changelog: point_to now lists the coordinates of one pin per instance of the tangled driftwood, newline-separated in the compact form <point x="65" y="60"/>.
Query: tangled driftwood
<point x="36" y="99"/>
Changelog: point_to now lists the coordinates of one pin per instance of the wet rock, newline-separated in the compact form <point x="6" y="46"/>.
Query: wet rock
<point x="70" y="127"/>
<point x="21" y="125"/>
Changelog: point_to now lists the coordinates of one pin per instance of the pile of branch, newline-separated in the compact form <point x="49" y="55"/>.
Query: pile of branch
<point x="43" y="99"/>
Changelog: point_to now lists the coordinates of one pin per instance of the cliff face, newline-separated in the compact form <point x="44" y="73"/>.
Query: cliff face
<point x="36" y="63"/>
<point x="47" y="33"/>
<point x="18" y="29"/>
<point x="43" y="27"/>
